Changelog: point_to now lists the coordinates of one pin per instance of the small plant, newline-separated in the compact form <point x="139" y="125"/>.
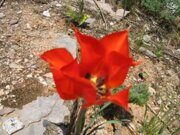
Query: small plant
<point x="78" y="16"/>
<point x="165" y="10"/>
<point x="139" y="94"/>
<point x="159" y="50"/>
<point x="159" y="123"/>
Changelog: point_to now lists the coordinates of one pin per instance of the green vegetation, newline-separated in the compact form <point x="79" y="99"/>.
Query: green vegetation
<point x="77" y="16"/>
<point x="166" y="11"/>
<point x="139" y="94"/>
<point x="159" y="50"/>
<point x="158" y="124"/>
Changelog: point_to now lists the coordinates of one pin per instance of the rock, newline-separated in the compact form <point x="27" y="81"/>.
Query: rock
<point x="2" y="15"/>
<point x="6" y="110"/>
<point x="8" y="87"/>
<point x="1" y="92"/>
<point x="67" y="42"/>
<point x="52" y="129"/>
<point x="29" y="75"/>
<point x="58" y="5"/>
<point x="106" y="7"/>
<point x="147" y="52"/>
<point x="16" y="66"/>
<point x="42" y="108"/>
<point x="48" y="75"/>
<point x="33" y="129"/>
<point x="46" y="13"/>
<point x="12" y="125"/>
<point x="146" y="38"/>
<point x="120" y="13"/>
<point x="111" y="23"/>
<point x="159" y="102"/>
<point x="152" y="91"/>
<point x="42" y="81"/>
<point x="13" y="22"/>
<point x="90" y="21"/>
<point x="57" y="114"/>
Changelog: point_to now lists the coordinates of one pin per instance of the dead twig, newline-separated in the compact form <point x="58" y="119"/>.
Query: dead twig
<point x="102" y="15"/>
<point x="2" y="2"/>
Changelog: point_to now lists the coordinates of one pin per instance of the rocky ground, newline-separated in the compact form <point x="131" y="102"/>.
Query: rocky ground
<point x="28" y="28"/>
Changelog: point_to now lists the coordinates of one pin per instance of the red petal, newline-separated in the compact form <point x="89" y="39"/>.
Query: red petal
<point x="64" y="85"/>
<point x="115" y="69"/>
<point x="121" y="98"/>
<point x="117" y="41"/>
<point x="92" y="52"/>
<point x="57" y="57"/>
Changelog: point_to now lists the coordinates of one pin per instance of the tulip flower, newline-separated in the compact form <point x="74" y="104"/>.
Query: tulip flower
<point x="103" y="65"/>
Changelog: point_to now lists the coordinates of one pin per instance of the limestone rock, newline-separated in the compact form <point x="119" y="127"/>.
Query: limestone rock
<point x="67" y="42"/>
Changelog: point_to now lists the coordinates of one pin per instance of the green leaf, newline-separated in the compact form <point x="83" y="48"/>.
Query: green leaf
<point x="139" y="94"/>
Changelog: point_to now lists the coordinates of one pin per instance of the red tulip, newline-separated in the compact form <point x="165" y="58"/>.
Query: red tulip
<point x="103" y="66"/>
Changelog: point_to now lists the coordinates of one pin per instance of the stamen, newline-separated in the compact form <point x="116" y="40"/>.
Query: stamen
<point x="93" y="80"/>
<point x="99" y="83"/>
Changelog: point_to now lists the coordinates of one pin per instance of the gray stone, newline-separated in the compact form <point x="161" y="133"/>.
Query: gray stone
<point x="6" y="110"/>
<point x="12" y="125"/>
<point x="106" y="7"/>
<point x="146" y="38"/>
<point x="33" y="129"/>
<point x="149" y="53"/>
<point x="67" y="42"/>
<point x="152" y="91"/>
<point x="41" y="108"/>
<point x="58" y="113"/>
<point x="120" y="13"/>
<point x="13" y="22"/>
<point x="90" y="21"/>
<point x="46" y="13"/>
<point x="1" y="92"/>
<point x="2" y="132"/>
<point x="40" y="113"/>
<point x="2" y="15"/>
<point x="14" y="65"/>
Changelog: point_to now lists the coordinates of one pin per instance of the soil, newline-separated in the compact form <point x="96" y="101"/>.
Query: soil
<point x="25" y="33"/>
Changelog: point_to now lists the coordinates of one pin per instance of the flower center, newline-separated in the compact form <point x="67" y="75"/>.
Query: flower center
<point x="99" y="82"/>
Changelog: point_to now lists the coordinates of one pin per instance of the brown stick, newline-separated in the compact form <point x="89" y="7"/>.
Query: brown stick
<point x="102" y="15"/>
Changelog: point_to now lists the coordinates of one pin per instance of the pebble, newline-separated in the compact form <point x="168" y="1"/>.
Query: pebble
<point x="152" y="91"/>
<point x="48" y="75"/>
<point x="46" y="13"/>
<point x="120" y="13"/>
<point x="14" y="65"/>
<point x="58" y="5"/>
<point x="149" y="53"/>
<point x="90" y="21"/>
<point x="29" y="76"/>
<point x="146" y="38"/>
<point x="1" y="92"/>
<point x="13" y="22"/>
<point x="7" y="87"/>
<point x="2" y="15"/>
<point x="111" y="23"/>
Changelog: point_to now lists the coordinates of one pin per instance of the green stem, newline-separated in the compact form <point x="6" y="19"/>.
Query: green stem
<point x="80" y="122"/>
